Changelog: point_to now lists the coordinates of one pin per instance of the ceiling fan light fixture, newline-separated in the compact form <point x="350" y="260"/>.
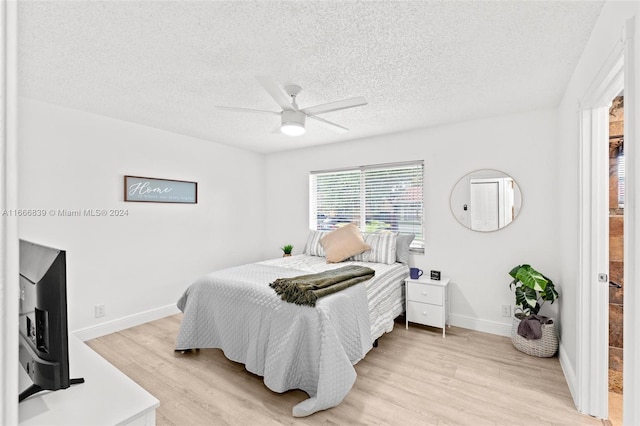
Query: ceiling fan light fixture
<point x="292" y="123"/>
<point x="292" y="129"/>
<point x="292" y="118"/>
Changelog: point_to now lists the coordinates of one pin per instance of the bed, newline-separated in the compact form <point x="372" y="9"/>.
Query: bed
<point x="293" y="346"/>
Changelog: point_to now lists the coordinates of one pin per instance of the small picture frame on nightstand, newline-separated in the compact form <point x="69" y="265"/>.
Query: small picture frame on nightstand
<point x="435" y="275"/>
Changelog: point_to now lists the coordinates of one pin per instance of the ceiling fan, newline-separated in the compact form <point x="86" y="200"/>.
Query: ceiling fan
<point x="292" y="118"/>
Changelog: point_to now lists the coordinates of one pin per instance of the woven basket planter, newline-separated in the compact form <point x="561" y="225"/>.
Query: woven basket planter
<point x="545" y="347"/>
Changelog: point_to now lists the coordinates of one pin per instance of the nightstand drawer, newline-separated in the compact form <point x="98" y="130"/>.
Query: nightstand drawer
<point x="425" y="314"/>
<point x="425" y="293"/>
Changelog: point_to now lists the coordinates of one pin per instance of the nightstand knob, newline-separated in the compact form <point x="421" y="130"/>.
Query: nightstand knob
<point x="424" y="313"/>
<point x="424" y="293"/>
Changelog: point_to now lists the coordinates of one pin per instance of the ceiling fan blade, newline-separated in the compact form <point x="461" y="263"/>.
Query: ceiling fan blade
<point x="276" y="91"/>
<point x="234" y="109"/>
<point x="335" y="106"/>
<point x="328" y="124"/>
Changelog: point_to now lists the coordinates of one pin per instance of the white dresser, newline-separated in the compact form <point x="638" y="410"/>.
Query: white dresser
<point x="107" y="397"/>
<point x="427" y="302"/>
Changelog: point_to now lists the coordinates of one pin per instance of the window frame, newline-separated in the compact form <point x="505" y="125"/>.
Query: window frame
<point x="418" y="246"/>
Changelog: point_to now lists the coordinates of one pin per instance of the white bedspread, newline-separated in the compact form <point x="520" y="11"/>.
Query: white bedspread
<point x="291" y="346"/>
<point x="385" y="291"/>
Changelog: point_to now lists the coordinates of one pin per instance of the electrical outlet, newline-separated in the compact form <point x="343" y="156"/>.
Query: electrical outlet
<point x="99" y="310"/>
<point x="506" y="310"/>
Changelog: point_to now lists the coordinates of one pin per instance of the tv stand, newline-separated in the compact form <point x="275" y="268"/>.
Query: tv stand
<point x="33" y="389"/>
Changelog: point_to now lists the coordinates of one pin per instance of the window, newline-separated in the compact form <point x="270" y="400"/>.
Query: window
<point x="378" y="197"/>
<point x="621" y="179"/>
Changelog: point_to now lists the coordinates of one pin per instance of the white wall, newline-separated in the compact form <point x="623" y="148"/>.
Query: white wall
<point x="142" y="262"/>
<point x="521" y="145"/>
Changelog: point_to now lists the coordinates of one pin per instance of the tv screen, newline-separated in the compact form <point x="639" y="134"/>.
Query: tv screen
<point x="43" y="350"/>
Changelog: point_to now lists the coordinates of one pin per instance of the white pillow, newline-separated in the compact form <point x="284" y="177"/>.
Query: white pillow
<point x="313" y="246"/>
<point x="402" y="247"/>
<point x="383" y="248"/>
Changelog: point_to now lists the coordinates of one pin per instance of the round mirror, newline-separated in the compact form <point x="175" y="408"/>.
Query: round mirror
<point x="486" y="200"/>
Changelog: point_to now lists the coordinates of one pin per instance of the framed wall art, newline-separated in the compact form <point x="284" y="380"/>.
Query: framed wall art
<point x="153" y="190"/>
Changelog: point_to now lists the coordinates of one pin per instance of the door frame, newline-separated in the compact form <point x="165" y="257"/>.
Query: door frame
<point x="617" y="73"/>
<point x="9" y="268"/>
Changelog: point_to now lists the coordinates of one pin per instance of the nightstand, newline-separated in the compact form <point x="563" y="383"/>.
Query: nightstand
<point x="427" y="302"/>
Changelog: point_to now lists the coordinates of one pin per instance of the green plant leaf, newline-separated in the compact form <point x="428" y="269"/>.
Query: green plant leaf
<point x="531" y="278"/>
<point x="531" y="288"/>
<point x="550" y="292"/>
<point x="527" y="299"/>
<point x="521" y="299"/>
<point x="513" y="272"/>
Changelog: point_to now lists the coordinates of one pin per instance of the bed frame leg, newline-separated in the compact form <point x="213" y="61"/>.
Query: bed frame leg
<point x="184" y="351"/>
<point x="375" y="343"/>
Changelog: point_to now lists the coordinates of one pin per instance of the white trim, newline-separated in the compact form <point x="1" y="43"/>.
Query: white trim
<point x="591" y="389"/>
<point x="397" y="165"/>
<point x="599" y="301"/>
<point x="491" y="327"/>
<point x="610" y="76"/>
<point x="583" y="296"/>
<point x="114" y="326"/>
<point x="567" y="369"/>
<point x="592" y="322"/>
<point x="9" y="264"/>
<point x="631" y="332"/>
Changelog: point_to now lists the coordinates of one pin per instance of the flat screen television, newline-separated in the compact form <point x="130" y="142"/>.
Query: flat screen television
<point x="44" y="348"/>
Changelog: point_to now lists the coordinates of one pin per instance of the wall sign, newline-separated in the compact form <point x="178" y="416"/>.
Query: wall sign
<point x="152" y="190"/>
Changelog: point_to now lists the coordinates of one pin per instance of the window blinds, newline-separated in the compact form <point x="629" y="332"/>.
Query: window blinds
<point x="377" y="197"/>
<point x="621" y="180"/>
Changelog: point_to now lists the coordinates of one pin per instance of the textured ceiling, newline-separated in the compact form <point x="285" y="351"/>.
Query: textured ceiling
<point x="420" y="63"/>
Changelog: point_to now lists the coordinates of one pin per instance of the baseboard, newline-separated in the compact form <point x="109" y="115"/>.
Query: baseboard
<point x="84" y="334"/>
<point x="113" y="326"/>
<point x="569" y="373"/>
<point x="492" y="327"/>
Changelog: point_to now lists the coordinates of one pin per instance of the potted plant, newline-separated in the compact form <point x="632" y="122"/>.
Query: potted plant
<point x="532" y="290"/>
<point x="287" y="250"/>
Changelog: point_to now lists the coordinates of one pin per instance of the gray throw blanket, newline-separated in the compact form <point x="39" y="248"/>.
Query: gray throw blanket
<point x="531" y="327"/>
<point x="306" y="289"/>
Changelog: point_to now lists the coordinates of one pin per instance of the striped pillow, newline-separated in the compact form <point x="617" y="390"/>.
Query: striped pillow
<point x="383" y="248"/>
<point x="313" y="247"/>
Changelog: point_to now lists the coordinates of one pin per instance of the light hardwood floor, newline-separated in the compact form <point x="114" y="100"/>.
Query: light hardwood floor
<point x="414" y="377"/>
<point x="615" y="409"/>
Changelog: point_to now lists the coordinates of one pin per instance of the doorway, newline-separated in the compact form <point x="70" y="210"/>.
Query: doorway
<point x="593" y="320"/>
<point x="616" y="257"/>
<point x="618" y="72"/>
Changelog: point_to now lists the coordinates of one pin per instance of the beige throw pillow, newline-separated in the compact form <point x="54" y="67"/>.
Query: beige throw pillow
<point x="343" y="243"/>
